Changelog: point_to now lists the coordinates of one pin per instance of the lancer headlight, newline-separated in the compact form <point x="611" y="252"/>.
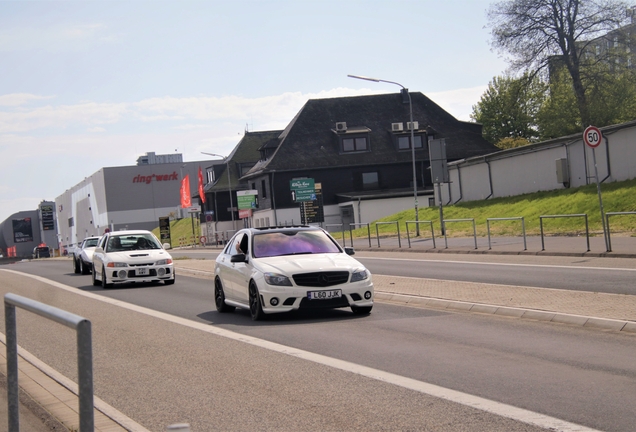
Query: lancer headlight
<point x="277" y="279"/>
<point x="359" y="275"/>
<point x="116" y="264"/>
<point x="164" y="261"/>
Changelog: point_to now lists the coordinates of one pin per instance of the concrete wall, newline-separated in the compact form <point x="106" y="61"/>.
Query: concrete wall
<point x="533" y="168"/>
<point x="129" y="197"/>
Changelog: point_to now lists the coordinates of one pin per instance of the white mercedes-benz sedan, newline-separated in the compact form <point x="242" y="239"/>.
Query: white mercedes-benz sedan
<point x="280" y="269"/>
<point x="131" y="256"/>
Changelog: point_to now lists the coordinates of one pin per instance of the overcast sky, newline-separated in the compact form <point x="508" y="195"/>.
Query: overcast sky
<point x="98" y="83"/>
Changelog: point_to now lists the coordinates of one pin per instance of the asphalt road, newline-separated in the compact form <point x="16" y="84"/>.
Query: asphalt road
<point x="615" y="276"/>
<point x="575" y="374"/>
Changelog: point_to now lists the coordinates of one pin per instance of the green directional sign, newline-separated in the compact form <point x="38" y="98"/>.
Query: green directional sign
<point x="303" y="189"/>
<point x="246" y="201"/>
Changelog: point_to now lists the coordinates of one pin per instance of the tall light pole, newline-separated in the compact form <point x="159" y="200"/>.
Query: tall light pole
<point x="404" y="90"/>
<point x="229" y="184"/>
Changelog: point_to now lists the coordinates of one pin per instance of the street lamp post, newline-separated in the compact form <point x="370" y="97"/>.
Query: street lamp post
<point x="229" y="184"/>
<point x="404" y="90"/>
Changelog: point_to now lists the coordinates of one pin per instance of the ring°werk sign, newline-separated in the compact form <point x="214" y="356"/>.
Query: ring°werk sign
<point x="302" y="190"/>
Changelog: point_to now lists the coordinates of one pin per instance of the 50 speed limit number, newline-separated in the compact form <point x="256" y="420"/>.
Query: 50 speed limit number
<point x="592" y="136"/>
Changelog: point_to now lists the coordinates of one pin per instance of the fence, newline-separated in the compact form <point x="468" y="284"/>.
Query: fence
<point x="587" y="229"/>
<point x="607" y="216"/>
<point x="408" y="235"/>
<point x="459" y="220"/>
<point x="523" y="229"/>
<point x="84" y="356"/>
<point x="377" y="232"/>
<point x="488" y="226"/>
<point x="359" y="224"/>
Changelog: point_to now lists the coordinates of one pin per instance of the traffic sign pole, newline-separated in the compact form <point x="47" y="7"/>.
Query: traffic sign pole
<point x="592" y="137"/>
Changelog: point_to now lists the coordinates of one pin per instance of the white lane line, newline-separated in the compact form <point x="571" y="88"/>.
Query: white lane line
<point x="503" y="410"/>
<point x="361" y="258"/>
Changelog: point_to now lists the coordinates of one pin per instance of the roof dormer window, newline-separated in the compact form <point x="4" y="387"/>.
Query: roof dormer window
<point x="404" y="141"/>
<point x="353" y="139"/>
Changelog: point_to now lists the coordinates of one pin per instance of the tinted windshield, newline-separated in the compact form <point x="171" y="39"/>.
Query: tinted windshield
<point x="269" y="244"/>
<point x="131" y="242"/>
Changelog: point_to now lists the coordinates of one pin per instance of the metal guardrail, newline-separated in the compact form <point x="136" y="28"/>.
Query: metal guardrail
<point x="344" y="242"/>
<point x="408" y="236"/>
<point x="377" y="233"/>
<point x="587" y="229"/>
<point x="84" y="357"/>
<point x="459" y="220"/>
<point x="523" y="229"/>
<point x="359" y="224"/>
<point x="607" y="215"/>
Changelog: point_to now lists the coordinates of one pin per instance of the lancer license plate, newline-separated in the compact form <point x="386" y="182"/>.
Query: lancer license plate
<point x="141" y="271"/>
<point x="324" y="295"/>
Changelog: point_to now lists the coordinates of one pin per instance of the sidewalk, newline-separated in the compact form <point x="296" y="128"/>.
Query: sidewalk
<point x="621" y="247"/>
<point x="53" y="397"/>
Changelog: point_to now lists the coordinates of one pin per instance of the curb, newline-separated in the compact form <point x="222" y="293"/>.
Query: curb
<point x="506" y="311"/>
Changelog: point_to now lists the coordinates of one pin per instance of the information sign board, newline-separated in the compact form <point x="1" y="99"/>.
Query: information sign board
<point x="302" y="189"/>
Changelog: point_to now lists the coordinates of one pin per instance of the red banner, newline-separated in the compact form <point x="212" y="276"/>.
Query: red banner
<point x="186" y="200"/>
<point x="201" y="191"/>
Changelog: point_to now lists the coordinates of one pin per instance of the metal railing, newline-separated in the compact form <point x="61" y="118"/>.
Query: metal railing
<point x="359" y="224"/>
<point x="583" y="215"/>
<point x="344" y="242"/>
<point x="408" y="236"/>
<point x="523" y="229"/>
<point x="377" y="232"/>
<point x="459" y="220"/>
<point x="84" y="356"/>
<point x="607" y="216"/>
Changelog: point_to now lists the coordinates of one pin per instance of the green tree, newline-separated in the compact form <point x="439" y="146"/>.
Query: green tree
<point x="508" y="108"/>
<point x="538" y="34"/>
<point x="612" y="98"/>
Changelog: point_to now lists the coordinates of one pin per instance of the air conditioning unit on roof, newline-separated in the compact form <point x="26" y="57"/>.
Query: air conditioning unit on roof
<point x="415" y="125"/>
<point x="341" y="126"/>
<point x="397" y="127"/>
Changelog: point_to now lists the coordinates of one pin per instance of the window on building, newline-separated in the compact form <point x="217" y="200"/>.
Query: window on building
<point x="355" y="144"/>
<point x="263" y="189"/>
<point x="404" y="142"/>
<point x="370" y="181"/>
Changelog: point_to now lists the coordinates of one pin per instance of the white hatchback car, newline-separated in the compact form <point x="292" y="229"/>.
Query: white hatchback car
<point x="131" y="256"/>
<point x="280" y="269"/>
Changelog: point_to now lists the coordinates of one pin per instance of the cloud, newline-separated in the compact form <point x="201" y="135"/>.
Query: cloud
<point x="56" y="38"/>
<point x="18" y="99"/>
<point x="186" y="113"/>
<point x="61" y="117"/>
<point x="459" y="102"/>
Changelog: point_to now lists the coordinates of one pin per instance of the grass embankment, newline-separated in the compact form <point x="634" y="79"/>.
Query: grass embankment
<point x="617" y="197"/>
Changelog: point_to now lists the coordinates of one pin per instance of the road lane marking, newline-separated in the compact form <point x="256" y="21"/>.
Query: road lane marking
<point x="360" y="258"/>
<point x="483" y="404"/>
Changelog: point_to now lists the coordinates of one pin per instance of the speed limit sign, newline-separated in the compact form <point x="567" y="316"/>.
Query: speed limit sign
<point x="592" y="136"/>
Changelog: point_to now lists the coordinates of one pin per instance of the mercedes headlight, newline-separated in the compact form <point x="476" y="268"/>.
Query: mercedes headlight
<point x="359" y="275"/>
<point x="277" y="279"/>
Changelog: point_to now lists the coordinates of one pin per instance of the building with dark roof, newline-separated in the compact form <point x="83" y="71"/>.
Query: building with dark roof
<point x="358" y="152"/>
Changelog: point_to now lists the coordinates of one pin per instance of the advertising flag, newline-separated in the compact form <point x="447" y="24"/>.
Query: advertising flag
<point x="201" y="191"/>
<point x="186" y="201"/>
